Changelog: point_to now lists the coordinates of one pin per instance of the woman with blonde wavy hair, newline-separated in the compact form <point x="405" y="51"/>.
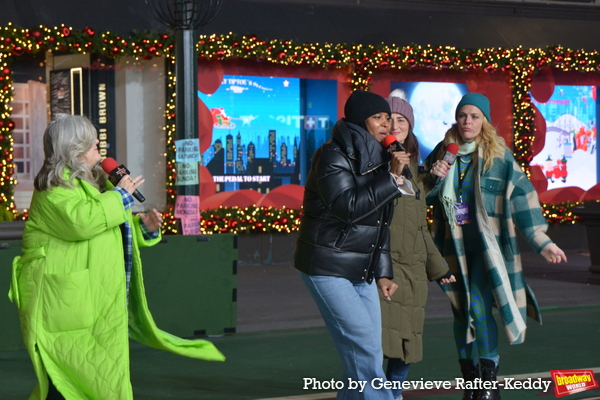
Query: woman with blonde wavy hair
<point x="493" y="146"/>
<point x="482" y="197"/>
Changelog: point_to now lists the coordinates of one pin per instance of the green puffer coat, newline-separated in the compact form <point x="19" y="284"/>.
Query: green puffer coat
<point x="416" y="260"/>
<point x="69" y="287"/>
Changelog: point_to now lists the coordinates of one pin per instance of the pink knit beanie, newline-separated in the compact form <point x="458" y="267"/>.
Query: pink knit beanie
<point x="400" y="106"/>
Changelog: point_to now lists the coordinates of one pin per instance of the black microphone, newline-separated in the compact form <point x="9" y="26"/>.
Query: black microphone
<point x="392" y="145"/>
<point x="116" y="172"/>
<point x="449" y="157"/>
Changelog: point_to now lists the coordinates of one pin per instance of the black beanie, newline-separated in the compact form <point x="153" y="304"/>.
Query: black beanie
<point x="361" y="105"/>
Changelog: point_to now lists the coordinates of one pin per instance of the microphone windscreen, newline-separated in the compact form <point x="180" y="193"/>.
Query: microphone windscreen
<point x="389" y="139"/>
<point x="109" y="164"/>
<point x="452" y="148"/>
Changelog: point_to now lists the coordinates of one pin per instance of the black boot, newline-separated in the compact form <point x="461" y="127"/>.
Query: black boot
<point x="470" y="371"/>
<point x="489" y="372"/>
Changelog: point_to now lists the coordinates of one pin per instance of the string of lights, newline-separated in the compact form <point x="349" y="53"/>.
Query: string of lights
<point x="250" y="220"/>
<point x="361" y="62"/>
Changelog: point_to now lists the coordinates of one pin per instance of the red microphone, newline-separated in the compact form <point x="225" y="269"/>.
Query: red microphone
<point x="392" y="145"/>
<point x="116" y="172"/>
<point x="449" y="157"/>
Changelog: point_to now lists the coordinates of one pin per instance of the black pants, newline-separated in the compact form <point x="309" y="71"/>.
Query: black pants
<point x="53" y="393"/>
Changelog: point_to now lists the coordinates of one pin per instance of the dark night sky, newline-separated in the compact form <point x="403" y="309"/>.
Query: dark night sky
<point x="464" y="24"/>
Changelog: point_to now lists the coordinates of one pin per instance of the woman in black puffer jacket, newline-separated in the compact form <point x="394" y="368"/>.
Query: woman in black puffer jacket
<point x="344" y="238"/>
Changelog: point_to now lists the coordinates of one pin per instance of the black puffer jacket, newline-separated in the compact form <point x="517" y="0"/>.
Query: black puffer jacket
<point x="348" y="205"/>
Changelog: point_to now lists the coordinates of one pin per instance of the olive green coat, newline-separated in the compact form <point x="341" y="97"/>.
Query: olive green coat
<point x="416" y="260"/>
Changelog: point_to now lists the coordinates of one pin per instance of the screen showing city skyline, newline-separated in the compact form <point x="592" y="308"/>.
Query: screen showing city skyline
<point x="256" y="122"/>
<point x="265" y="129"/>
<point x="252" y="106"/>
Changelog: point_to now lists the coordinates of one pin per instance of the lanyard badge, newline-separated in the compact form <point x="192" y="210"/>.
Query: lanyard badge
<point x="461" y="209"/>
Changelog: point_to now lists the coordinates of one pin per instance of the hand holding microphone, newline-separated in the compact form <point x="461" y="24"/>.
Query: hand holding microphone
<point x="440" y="168"/>
<point x="131" y="184"/>
<point x="119" y="175"/>
<point x="393" y="146"/>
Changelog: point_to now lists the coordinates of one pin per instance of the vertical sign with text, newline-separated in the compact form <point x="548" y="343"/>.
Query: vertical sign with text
<point x="101" y="108"/>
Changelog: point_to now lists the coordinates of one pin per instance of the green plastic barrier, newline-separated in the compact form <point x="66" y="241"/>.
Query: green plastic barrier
<point x="191" y="286"/>
<point x="10" y="330"/>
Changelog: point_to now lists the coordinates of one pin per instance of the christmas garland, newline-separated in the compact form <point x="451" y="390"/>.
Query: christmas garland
<point x="361" y="61"/>
<point x="250" y="220"/>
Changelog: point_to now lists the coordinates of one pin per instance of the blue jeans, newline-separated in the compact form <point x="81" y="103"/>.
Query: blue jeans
<point x="352" y="315"/>
<point x="397" y="370"/>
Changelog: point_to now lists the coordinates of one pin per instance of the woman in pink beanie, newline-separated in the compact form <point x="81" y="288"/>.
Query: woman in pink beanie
<point x="415" y="260"/>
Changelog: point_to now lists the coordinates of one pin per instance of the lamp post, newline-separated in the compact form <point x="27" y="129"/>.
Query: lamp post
<point x="184" y="17"/>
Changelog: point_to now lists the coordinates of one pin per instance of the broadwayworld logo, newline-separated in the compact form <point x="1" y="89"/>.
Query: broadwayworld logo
<point x="573" y="381"/>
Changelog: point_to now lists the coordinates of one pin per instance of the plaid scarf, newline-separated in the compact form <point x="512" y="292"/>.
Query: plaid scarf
<point x="127" y="234"/>
<point x="447" y="193"/>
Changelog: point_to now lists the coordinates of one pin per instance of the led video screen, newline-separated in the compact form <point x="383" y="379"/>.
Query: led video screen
<point x="569" y="156"/>
<point x="433" y="105"/>
<point x="265" y="129"/>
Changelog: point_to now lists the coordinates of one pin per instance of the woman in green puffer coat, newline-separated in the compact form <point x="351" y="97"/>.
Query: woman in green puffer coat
<point x="415" y="259"/>
<point x="78" y="284"/>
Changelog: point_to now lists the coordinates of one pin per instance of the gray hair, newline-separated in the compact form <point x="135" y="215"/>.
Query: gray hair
<point x="66" y="140"/>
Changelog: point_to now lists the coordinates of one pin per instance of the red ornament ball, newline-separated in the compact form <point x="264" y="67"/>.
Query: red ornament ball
<point x="18" y="51"/>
